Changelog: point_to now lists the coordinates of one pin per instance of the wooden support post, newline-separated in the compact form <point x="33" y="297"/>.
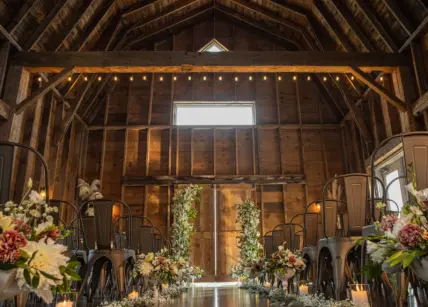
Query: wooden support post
<point x="191" y="152"/>
<point x="168" y="213"/>
<point x="177" y="152"/>
<point x="373" y="120"/>
<point x="236" y="152"/>
<point x="262" y="211"/>
<point x="356" y="150"/>
<point x="254" y="151"/>
<point x="284" y="202"/>
<point x="344" y="149"/>
<point x="214" y="152"/>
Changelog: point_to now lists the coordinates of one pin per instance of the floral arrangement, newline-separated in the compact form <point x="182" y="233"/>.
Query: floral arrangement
<point x="164" y="269"/>
<point x="404" y="238"/>
<point x="248" y="240"/>
<point x="89" y="192"/>
<point x="183" y="211"/>
<point x="285" y="262"/>
<point x="29" y="253"/>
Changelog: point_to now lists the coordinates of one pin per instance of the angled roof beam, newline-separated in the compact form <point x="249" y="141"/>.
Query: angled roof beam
<point x="139" y="7"/>
<point x="370" y="82"/>
<point x="399" y="15"/>
<point x="371" y="17"/>
<point x="24" y="10"/>
<point x="41" y="28"/>
<point x="333" y="25"/>
<point x="32" y="99"/>
<point x="97" y="92"/>
<point x="349" y="19"/>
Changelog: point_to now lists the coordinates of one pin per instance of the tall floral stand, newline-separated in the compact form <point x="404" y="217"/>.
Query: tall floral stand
<point x="285" y="276"/>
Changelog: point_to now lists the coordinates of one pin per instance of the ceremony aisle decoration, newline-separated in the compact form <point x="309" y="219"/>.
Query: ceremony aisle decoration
<point x="248" y="242"/>
<point x="402" y="242"/>
<point x="30" y="258"/>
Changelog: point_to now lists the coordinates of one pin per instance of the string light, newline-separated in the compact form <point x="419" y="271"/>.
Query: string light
<point x="308" y="78"/>
<point x="85" y="78"/>
<point x="69" y="79"/>
<point x="337" y="78"/>
<point x="116" y="78"/>
<point x="190" y="78"/>
<point x="39" y="79"/>
<point x="205" y="78"/>
<point x="279" y="78"/>
<point x="294" y="78"/>
<point x="381" y="78"/>
<point x="250" y="78"/>
<point x="352" y="78"/>
<point x="161" y="78"/>
<point x="324" y="79"/>
<point x="265" y="78"/>
<point x="131" y="78"/>
<point x="144" y="78"/>
<point x="175" y="78"/>
<point x="236" y="79"/>
<point x="220" y="78"/>
<point x="99" y="78"/>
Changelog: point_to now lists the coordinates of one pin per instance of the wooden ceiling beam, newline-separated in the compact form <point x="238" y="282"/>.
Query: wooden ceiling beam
<point x="397" y="12"/>
<point x="327" y="95"/>
<point x="172" y="62"/>
<point x="139" y="7"/>
<point x="376" y="87"/>
<point x="371" y="17"/>
<point x="23" y="12"/>
<point x="32" y="99"/>
<point x="343" y="11"/>
<point x="44" y="24"/>
<point x="97" y="92"/>
<point x="333" y="25"/>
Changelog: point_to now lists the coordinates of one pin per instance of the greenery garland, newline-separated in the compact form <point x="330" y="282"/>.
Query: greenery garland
<point x="183" y="211"/>
<point x="248" y="240"/>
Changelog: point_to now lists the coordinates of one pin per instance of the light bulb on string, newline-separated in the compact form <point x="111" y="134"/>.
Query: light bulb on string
<point x="161" y="78"/>
<point x="324" y="79"/>
<point x="85" y="78"/>
<point x="69" y="79"/>
<point x="352" y="78"/>
<point x="144" y="78"/>
<point x="236" y="79"/>
<point x="39" y="79"/>
<point x="100" y="78"/>
<point x="116" y="78"/>
<point x="250" y="78"/>
<point x="309" y="78"/>
<point x="175" y="78"/>
<point x="279" y="78"/>
<point x="189" y="78"/>
<point x="381" y="78"/>
<point x="265" y="78"/>
<point x="204" y="78"/>
<point x="294" y="78"/>
<point x="220" y="78"/>
<point x="337" y="78"/>
<point x="131" y="78"/>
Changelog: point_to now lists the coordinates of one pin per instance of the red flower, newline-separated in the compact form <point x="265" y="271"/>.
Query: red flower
<point x="22" y="227"/>
<point x="410" y="235"/>
<point x="53" y="234"/>
<point x="10" y="243"/>
<point x="292" y="259"/>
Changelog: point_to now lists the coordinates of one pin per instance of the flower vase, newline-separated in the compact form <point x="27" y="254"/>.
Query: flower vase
<point x="284" y="276"/>
<point x="419" y="266"/>
<point x="8" y="285"/>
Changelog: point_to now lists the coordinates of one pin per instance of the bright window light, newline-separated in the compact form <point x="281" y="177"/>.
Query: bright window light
<point x="213" y="46"/>
<point x="394" y="192"/>
<point x="214" y="114"/>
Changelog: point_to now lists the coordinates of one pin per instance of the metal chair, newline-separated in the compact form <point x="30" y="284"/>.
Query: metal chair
<point x="334" y="250"/>
<point x="140" y="243"/>
<point x="268" y="244"/>
<point x="98" y="238"/>
<point x="7" y="158"/>
<point x="284" y="233"/>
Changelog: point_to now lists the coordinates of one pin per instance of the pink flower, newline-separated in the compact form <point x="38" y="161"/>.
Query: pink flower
<point x="410" y="235"/>
<point x="10" y="243"/>
<point x="292" y="259"/>
<point x="388" y="221"/>
<point x="22" y="227"/>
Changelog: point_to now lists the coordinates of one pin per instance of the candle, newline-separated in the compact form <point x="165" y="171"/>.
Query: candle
<point x="65" y="304"/>
<point x="360" y="296"/>
<point x="303" y="289"/>
<point x="133" y="295"/>
<point x="267" y="284"/>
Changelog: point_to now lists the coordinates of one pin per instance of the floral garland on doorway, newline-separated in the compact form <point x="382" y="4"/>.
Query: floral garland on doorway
<point x="248" y="240"/>
<point x="183" y="212"/>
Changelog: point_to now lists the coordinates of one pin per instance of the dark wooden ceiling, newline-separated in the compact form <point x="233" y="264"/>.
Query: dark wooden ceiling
<point x="83" y="25"/>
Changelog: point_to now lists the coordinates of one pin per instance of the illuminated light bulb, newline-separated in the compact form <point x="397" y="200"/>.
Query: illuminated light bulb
<point x="43" y="193"/>
<point x="39" y="79"/>
<point x="265" y="78"/>
<point x="116" y="78"/>
<point x="308" y="78"/>
<point x="205" y="78"/>
<point x="85" y="78"/>
<point x="324" y="79"/>
<point x="99" y="78"/>
<point x="69" y="79"/>
<point x="250" y="78"/>
<point x="190" y="78"/>
<point x="381" y="78"/>
<point x="352" y="78"/>
<point x="161" y="78"/>
<point x="175" y="78"/>
<point x="294" y="78"/>
<point x="144" y="78"/>
<point x="318" y="208"/>
<point x="131" y="78"/>
<point x="236" y="79"/>
<point x="337" y="78"/>
<point x="279" y="78"/>
<point x="220" y="78"/>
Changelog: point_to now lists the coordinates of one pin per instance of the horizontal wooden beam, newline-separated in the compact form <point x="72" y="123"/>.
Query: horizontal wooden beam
<point x="175" y="62"/>
<point x="379" y="89"/>
<point x="213" y="179"/>
<point x="420" y="104"/>
<point x="43" y="90"/>
<point x="273" y="126"/>
<point x="4" y="110"/>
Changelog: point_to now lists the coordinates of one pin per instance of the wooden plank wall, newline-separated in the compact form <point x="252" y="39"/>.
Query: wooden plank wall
<point x="133" y="135"/>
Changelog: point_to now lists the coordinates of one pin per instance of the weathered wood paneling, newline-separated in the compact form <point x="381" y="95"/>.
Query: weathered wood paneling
<point x="112" y="164"/>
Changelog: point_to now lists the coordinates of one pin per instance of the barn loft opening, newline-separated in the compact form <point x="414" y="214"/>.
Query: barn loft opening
<point x="214" y="113"/>
<point x="213" y="46"/>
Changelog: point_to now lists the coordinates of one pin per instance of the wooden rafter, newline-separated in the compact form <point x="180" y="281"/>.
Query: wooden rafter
<point x="349" y="19"/>
<point x="371" y="17"/>
<point x="43" y="90"/>
<point x="379" y="89"/>
<point x="24" y="10"/>
<point x="333" y="25"/>
<point x="96" y="94"/>
<point x="44" y="24"/>
<point x="399" y="15"/>
<point x="139" y="7"/>
<point x="327" y="95"/>
<point x="171" y="62"/>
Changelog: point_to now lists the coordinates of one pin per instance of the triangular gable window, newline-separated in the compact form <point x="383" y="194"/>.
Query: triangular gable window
<point x="213" y="46"/>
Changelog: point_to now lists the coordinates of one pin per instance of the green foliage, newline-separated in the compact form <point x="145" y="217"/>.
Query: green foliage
<point x="404" y="257"/>
<point x="372" y="271"/>
<point x="183" y="212"/>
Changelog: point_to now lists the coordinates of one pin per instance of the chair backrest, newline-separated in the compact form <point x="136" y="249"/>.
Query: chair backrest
<point x="64" y="207"/>
<point x="158" y="243"/>
<point x="146" y="239"/>
<point x="416" y="152"/>
<point x="311" y="225"/>
<point x="356" y="193"/>
<point x="330" y="218"/>
<point x="7" y="156"/>
<point x="98" y="229"/>
<point x="268" y="246"/>
<point x="140" y="237"/>
<point x="298" y="241"/>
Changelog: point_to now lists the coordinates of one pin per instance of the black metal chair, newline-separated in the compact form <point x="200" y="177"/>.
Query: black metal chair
<point x="98" y="237"/>
<point x="7" y="158"/>
<point x="283" y="234"/>
<point x="268" y="244"/>
<point x="142" y="235"/>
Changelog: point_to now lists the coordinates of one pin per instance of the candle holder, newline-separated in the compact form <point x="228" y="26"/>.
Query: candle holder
<point x="133" y="293"/>
<point x="360" y="295"/>
<point x="67" y="300"/>
<point x="303" y="287"/>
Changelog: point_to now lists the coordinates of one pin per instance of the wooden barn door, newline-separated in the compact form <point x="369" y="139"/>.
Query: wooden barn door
<point x="227" y="229"/>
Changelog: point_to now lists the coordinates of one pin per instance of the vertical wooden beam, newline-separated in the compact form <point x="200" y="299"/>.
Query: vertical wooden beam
<point x="302" y="150"/>
<point x="177" y="152"/>
<point x="419" y="68"/>
<point x="386" y="117"/>
<point x="191" y="152"/>
<point x="214" y="152"/>
<point x="254" y="151"/>
<point x="284" y="202"/>
<point x="236" y="152"/>
<point x="356" y="149"/>
<point x="344" y="149"/>
<point x="168" y="213"/>
<point x="262" y="211"/>
<point x="49" y="133"/>
<point x="4" y="60"/>
<point x="258" y="149"/>
<point x="278" y="111"/>
<point x="148" y="152"/>
<point x="373" y="122"/>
